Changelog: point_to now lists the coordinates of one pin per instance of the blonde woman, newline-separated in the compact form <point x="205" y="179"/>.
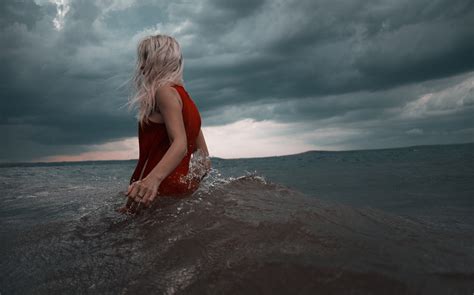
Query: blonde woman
<point x="169" y="127"/>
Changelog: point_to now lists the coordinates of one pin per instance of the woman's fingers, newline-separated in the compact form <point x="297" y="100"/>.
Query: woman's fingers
<point x="122" y="209"/>
<point x="137" y="192"/>
<point x="151" y="198"/>
<point x="133" y="185"/>
<point x="146" y="198"/>
<point x="132" y="192"/>
<point x="141" y="194"/>
<point x="132" y="207"/>
<point x="129" y="203"/>
<point x="136" y="207"/>
<point x="127" y="207"/>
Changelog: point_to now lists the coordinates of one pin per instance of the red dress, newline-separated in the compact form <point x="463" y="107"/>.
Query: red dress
<point x="154" y="142"/>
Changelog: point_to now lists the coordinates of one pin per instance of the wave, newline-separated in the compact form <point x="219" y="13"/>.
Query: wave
<point x="242" y="235"/>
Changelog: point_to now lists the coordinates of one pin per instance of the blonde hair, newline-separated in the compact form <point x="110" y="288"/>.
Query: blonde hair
<point x="159" y="63"/>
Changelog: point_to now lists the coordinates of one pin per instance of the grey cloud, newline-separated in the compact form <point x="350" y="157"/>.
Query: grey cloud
<point x="374" y="119"/>
<point x="336" y="47"/>
<point x="415" y="131"/>
<point x="136" y="18"/>
<point x="341" y="64"/>
<point x="245" y="7"/>
<point x="23" y="12"/>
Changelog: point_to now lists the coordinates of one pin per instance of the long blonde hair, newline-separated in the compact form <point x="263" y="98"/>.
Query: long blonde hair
<point x="159" y="63"/>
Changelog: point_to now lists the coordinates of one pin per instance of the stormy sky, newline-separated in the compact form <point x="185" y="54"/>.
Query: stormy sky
<point x="270" y="77"/>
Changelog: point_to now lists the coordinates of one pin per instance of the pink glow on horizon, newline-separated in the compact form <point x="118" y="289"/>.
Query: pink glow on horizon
<point x="246" y="138"/>
<point x="117" y="150"/>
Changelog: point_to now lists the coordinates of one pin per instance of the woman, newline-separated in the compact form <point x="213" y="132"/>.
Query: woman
<point x="169" y="127"/>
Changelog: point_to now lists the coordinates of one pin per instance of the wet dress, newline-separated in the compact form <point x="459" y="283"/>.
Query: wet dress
<point x="154" y="142"/>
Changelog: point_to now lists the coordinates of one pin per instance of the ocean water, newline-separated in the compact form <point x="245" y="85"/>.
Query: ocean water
<point x="393" y="221"/>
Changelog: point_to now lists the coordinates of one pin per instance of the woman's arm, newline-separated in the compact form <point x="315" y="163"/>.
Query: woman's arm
<point x="169" y="103"/>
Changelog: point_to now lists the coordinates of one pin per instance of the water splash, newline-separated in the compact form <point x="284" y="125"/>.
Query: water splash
<point x="199" y="167"/>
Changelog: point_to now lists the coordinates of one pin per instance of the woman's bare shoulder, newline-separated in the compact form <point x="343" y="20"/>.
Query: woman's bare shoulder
<point x="167" y="94"/>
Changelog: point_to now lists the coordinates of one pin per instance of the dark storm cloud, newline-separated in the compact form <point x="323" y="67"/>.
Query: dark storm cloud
<point x="24" y="12"/>
<point x="330" y="47"/>
<point x="57" y="92"/>
<point x="347" y="65"/>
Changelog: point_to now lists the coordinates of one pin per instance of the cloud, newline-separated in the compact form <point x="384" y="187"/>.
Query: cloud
<point x="62" y="8"/>
<point x="453" y="99"/>
<point x="115" y="150"/>
<point x="249" y="138"/>
<point x="366" y="72"/>
<point x="415" y="131"/>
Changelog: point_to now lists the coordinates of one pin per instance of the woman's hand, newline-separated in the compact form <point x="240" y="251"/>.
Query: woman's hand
<point x="140" y="193"/>
<point x="144" y="191"/>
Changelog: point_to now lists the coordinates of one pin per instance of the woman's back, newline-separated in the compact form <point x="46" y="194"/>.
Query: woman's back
<point x="154" y="142"/>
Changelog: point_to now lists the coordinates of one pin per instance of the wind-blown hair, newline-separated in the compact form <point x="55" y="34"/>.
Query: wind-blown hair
<point x="159" y="63"/>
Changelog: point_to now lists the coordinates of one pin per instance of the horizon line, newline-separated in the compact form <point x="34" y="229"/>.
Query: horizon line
<point x="213" y="157"/>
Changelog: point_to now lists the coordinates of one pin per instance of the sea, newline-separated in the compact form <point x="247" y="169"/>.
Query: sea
<point x="382" y="221"/>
